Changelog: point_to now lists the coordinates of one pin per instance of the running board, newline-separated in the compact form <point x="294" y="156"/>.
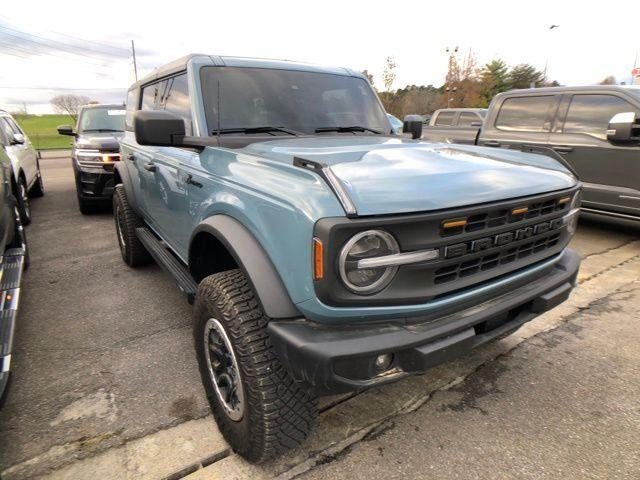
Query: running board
<point x="168" y="263"/>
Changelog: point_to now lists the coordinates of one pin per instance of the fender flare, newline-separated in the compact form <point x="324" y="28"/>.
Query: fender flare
<point x="125" y="179"/>
<point x="253" y="261"/>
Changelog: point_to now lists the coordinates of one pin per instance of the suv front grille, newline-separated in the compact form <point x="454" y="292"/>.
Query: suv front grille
<point x="500" y="217"/>
<point x="487" y="262"/>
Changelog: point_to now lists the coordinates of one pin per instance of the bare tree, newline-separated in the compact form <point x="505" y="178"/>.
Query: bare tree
<point x="389" y="73"/>
<point x="69" y="104"/>
<point x="610" y="80"/>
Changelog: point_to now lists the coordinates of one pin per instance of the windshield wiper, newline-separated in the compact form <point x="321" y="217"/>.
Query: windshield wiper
<point x="265" y="129"/>
<point x="101" y="130"/>
<point x="353" y="128"/>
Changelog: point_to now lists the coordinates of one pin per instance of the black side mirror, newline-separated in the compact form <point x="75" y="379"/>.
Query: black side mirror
<point x="624" y="128"/>
<point x="66" y="130"/>
<point x="413" y="125"/>
<point x="159" y="128"/>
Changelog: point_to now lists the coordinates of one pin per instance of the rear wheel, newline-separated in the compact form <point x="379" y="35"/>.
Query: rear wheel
<point x="259" y="408"/>
<point x="22" y="199"/>
<point x="127" y="220"/>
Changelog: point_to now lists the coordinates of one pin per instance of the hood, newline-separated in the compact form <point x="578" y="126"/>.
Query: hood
<point x="385" y="175"/>
<point x="99" y="140"/>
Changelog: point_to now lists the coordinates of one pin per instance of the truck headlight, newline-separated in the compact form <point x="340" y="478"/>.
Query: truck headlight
<point x="368" y="244"/>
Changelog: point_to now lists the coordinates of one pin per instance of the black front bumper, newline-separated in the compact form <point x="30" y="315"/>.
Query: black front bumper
<point x="94" y="183"/>
<point x="334" y="359"/>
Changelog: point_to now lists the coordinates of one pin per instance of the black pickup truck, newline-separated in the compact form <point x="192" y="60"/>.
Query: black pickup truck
<point x="596" y="130"/>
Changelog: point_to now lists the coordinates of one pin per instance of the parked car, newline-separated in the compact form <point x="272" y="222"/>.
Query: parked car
<point x="25" y="167"/>
<point x="14" y="258"/>
<point x="458" y="117"/>
<point x="323" y="253"/>
<point x="583" y="126"/>
<point x="95" y="149"/>
<point x="396" y="124"/>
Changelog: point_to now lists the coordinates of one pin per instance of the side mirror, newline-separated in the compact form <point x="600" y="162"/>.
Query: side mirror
<point x="413" y="125"/>
<point x="623" y="128"/>
<point x="159" y="128"/>
<point x="66" y="130"/>
<point x="17" y="139"/>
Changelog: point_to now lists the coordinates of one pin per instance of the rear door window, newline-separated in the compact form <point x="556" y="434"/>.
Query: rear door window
<point x="590" y="114"/>
<point x="526" y="114"/>
<point x="445" y="118"/>
<point x="467" y="118"/>
<point x="174" y="98"/>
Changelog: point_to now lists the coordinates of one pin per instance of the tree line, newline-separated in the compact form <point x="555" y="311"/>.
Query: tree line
<point x="466" y="85"/>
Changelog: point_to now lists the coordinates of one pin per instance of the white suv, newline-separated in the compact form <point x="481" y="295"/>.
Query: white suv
<point x="26" y="179"/>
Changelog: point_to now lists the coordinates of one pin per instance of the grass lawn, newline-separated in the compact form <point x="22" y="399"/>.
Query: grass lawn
<point x="41" y="129"/>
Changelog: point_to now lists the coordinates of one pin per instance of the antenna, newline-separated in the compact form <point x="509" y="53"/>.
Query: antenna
<point x="135" y="65"/>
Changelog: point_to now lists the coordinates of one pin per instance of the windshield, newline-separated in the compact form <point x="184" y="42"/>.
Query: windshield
<point x="107" y="119"/>
<point x="300" y="101"/>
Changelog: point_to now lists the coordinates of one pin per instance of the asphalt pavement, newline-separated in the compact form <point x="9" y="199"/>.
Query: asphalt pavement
<point x="105" y="379"/>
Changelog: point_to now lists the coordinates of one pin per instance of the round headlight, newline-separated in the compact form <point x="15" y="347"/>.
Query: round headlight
<point x="368" y="244"/>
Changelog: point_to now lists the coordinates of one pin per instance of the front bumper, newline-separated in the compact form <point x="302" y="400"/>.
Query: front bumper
<point x="334" y="359"/>
<point x="94" y="183"/>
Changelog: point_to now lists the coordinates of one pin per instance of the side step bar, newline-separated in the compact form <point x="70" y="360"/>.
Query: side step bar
<point x="168" y="263"/>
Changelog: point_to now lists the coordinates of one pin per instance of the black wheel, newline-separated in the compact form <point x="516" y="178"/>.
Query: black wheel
<point x="260" y="410"/>
<point x="22" y="199"/>
<point x="86" y="207"/>
<point x="37" y="189"/>
<point x="20" y="237"/>
<point x="133" y="252"/>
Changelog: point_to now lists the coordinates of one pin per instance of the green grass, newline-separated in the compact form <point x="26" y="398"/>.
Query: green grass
<point x="42" y="130"/>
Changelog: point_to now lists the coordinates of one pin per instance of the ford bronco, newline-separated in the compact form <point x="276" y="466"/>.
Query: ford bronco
<point x="323" y="253"/>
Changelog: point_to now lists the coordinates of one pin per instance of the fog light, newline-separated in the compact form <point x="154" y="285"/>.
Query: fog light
<point x="383" y="362"/>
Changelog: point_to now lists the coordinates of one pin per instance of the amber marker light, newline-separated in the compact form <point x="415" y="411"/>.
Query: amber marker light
<point x="564" y="200"/>
<point x="458" y="222"/>
<point x="318" y="270"/>
<point x="519" y="211"/>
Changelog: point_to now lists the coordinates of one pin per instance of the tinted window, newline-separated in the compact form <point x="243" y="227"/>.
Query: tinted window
<point x="107" y="119"/>
<point x="6" y="128"/>
<point x="590" y="114"/>
<point x="302" y="101"/>
<point x="467" y="118"/>
<point x="174" y="98"/>
<point x="445" y="118"/>
<point x="525" y="114"/>
<point x="132" y="98"/>
<point x="149" y="97"/>
<point x="14" y="126"/>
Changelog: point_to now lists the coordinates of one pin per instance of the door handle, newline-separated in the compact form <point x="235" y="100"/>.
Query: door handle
<point x="131" y="157"/>
<point x="150" y="167"/>
<point x="491" y="143"/>
<point x="191" y="181"/>
<point x="562" y="148"/>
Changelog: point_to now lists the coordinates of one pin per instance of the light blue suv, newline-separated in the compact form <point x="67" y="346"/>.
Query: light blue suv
<point x="323" y="253"/>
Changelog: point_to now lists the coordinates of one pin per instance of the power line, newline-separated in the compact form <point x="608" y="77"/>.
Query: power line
<point x="48" y="42"/>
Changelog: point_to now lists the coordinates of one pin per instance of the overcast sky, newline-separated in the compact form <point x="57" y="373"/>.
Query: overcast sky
<point x="86" y="51"/>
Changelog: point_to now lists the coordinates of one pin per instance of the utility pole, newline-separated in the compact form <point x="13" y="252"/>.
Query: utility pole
<point x="135" y="66"/>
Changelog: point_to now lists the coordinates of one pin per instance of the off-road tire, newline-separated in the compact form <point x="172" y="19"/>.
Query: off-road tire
<point x="85" y="207"/>
<point x="22" y="201"/>
<point x="37" y="189"/>
<point x="127" y="220"/>
<point x="278" y="413"/>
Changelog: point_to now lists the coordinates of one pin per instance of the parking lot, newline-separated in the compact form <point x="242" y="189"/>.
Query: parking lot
<point x="105" y="381"/>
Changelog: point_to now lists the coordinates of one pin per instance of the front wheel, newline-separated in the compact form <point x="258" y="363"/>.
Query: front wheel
<point x="37" y="189"/>
<point x="259" y="408"/>
<point x="127" y="220"/>
<point x="22" y="200"/>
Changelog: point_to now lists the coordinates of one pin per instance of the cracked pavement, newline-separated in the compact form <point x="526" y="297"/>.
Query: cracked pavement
<point x="105" y="381"/>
